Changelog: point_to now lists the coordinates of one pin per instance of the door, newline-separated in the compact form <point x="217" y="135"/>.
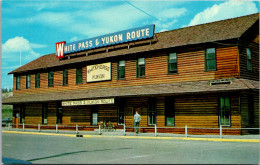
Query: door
<point x="94" y="115"/>
<point x="59" y="115"/>
<point x="136" y="109"/>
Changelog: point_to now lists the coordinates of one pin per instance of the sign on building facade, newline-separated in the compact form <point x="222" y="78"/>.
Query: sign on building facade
<point x="99" y="72"/>
<point x="88" y="102"/>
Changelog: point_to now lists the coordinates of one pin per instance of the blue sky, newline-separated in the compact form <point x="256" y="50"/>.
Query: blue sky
<point x="33" y="27"/>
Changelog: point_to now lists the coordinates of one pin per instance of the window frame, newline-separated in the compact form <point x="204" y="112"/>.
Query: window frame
<point x="249" y="66"/>
<point x="121" y="111"/>
<point x="59" y="114"/>
<point x="152" y="104"/>
<point x="22" y="113"/>
<point x="140" y="68"/>
<point x="251" y="110"/>
<point x="65" y="77"/>
<point x="208" y="59"/>
<point x="18" y="83"/>
<point x="37" y="80"/>
<point x="50" y="79"/>
<point x="225" y="111"/>
<point x="94" y="110"/>
<point x="28" y="82"/>
<point x="169" y="110"/>
<point x="171" y="63"/>
<point x="120" y="69"/>
<point x="44" y="113"/>
<point x="79" y="75"/>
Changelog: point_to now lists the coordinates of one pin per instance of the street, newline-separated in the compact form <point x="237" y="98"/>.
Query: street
<point x="107" y="150"/>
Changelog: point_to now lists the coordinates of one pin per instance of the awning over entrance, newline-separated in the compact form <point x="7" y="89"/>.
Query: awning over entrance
<point x="145" y="90"/>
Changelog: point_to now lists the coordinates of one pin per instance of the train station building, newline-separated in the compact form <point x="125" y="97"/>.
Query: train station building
<point x="202" y="76"/>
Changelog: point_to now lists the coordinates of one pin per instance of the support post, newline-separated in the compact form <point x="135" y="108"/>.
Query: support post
<point x="99" y="129"/>
<point x="23" y="126"/>
<point x="186" y="131"/>
<point x="155" y="130"/>
<point x="9" y="126"/>
<point x="57" y="128"/>
<point x="220" y="131"/>
<point x="124" y="130"/>
<point x="39" y="127"/>
<point x="77" y="129"/>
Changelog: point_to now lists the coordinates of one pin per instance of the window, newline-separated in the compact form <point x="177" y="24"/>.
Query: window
<point x="169" y="111"/>
<point x="22" y="112"/>
<point x="172" y="63"/>
<point x="121" y="112"/>
<point x="210" y="59"/>
<point x="50" y="79"/>
<point x="94" y="112"/>
<point x="28" y="81"/>
<point x="140" y="67"/>
<point x="224" y="111"/>
<point x="79" y="76"/>
<point x="152" y="111"/>
<point x="121" y="70"/>
<point x="65" y="77"/>
<point x="37" y="80"/>
<point x="59" y="114"/>
<point x="251" y="113"/>
<point x="18" y="79"/>
<point x="249" y="59"/>
<point x="44" y="113"/>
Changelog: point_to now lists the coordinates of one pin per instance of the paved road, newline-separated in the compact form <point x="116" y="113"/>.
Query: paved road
<point x="76" y="150"/>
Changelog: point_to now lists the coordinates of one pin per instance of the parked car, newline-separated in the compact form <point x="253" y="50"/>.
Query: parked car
<point x="6" y="121"/>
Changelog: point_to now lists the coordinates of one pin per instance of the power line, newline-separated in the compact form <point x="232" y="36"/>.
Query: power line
<point x="144" y="12"/>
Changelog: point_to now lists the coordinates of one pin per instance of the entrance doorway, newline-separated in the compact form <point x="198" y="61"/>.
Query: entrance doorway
<point x="136" y="109"/>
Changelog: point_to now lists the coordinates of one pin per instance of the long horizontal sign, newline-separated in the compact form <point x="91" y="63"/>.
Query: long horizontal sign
<point x="88" y="102"/>
<point x="99" y="72"/>
<point x="134" y="34"/>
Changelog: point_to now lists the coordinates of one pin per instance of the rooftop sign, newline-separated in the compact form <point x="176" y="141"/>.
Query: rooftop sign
<point x="134" y="34"/>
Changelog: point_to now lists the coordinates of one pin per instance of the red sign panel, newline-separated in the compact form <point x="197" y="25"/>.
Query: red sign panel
<point x="60" y="49"/>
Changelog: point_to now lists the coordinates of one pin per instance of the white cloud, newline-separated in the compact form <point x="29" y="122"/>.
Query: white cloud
<point x="15" y="44"/>
<point x="12" y="47"/>
<point x="102" y="20"/>
<point x="74" y="39"/>
<point x="165" y="26"/>
<point x="35" y="45"/>
<point x="171" y="13"/>
<point x="168" y="17"/>
<point x="228" y="9"/>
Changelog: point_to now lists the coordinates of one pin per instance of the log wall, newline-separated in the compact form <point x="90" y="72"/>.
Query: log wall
<point x="245" y="109"/>
<point x="244" y="73"/>
<point x="199" y="111"/>
<point x="191" y="67"/>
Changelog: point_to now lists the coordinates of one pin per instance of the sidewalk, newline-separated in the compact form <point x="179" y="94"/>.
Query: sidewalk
<point x="120" y="134"/>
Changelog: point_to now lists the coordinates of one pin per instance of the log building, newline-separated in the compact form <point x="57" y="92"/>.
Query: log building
<point x="200" y="76"/>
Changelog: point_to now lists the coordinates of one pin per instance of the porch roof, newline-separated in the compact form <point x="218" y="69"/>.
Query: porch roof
<point x="137" y="91"/>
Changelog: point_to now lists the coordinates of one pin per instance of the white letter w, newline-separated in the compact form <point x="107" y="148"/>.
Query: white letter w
<point x="60" y="49"/>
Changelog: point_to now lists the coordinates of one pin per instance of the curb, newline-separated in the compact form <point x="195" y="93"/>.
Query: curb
<point x="137" y="137"/>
